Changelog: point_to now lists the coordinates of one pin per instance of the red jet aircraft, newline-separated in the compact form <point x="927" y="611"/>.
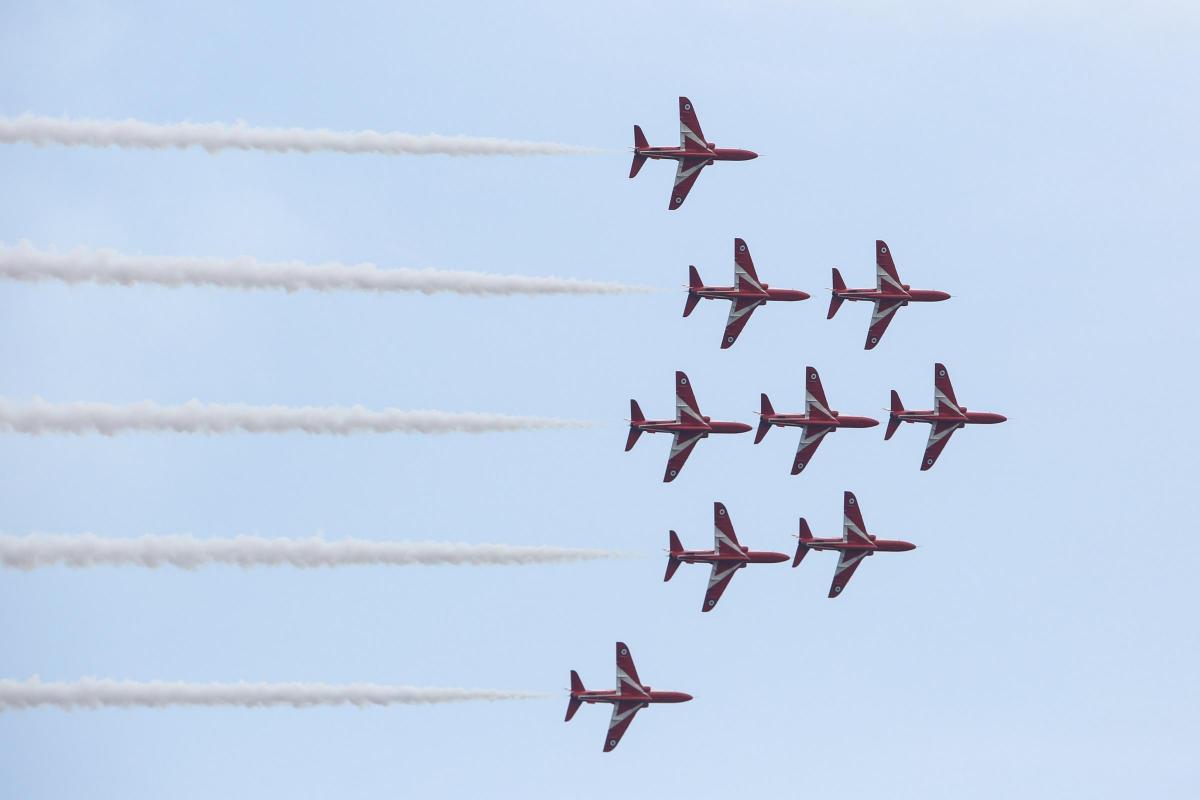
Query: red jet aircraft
<point x="726" y="557"/>
<point x="816" y="421"/>
<point x="946" y="417"/>
<point x="693" y="154"/>
<point x="855" y="544"/>
<point x="746" y="294"/>
<point x="689" y="426"/>
<point x="628" y="698"/>
<point x="888" y="295"/>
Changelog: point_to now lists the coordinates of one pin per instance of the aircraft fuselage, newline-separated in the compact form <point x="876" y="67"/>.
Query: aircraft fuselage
<point x="711" y="556"/>
<point x="891" y="295"/>
<point x="805" y="421"/>
<point x="768" y="294"/>
<point x="968" y="418"/>
<point x="712" y="154"/>
<point x="674" y="426"/>
<point x="651" y="696"/>
<point x="853" y="546"/>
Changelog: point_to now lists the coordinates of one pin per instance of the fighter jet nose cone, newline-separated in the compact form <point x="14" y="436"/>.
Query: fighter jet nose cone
<point x="684" y="697"/>
<point x="872" y="423"/>
<point x="744" y="428"/>
<point x="1001" y="418"/>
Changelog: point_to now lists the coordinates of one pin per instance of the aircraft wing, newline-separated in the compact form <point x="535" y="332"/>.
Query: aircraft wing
<point x="886" y="276"/>
<point x="809" y="442"/>
<point x="815" y="404"/>
<point x="690" y="135"/>
<point x="739" y="314"/>
<point x="681" y="447"/>
<point x="627" y="677"/>
<point x="725" y="541"/>
<point x="847" y="563"/>
<point x="685" y="178"/>
<point x="885" y="310"/>
<point x="718" y="581"/>
<point x="623" y="713"/>
<point x="686" y="407"/>
<point x="943" y="393"/>
<point x="744" y="276"/>
<point x="853" y="527"/>
<point x="939" y="435"/>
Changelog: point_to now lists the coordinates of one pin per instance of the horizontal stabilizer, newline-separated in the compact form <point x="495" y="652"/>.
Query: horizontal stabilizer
<point x="893" y="420"/>
<point x="764" y="419"/>
<point x="694" y="283"/>
<point x="802" y="548"/>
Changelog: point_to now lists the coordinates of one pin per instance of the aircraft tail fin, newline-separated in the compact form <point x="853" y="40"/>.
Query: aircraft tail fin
<point x="672" y="561"/>
<point x="764" y="422"/>
<point x="694" y="283"/>
<point x="835" y="302"/>
<point x="639" y="143"/>
<point x="635" y="416"/>
<point x="802" y="548"/>
<point x="893" y="420"/>
<point x="574" y="703"/>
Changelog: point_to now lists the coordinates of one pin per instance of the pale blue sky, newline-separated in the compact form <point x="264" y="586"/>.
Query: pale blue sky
<point x="1039" y="163"/>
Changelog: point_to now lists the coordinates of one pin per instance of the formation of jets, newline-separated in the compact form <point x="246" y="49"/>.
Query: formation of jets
<point x="748" y="293"/>
<point x="818" y="420"/>
<point x="726" y="558"/>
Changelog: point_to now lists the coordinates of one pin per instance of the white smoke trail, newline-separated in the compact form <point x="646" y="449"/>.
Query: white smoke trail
<point x="24" y="262"/>
<point x="99" y="692"/>
<point x="188" y="552"/>
<point x="40" y="416"/>
<point x="217" y="136"/>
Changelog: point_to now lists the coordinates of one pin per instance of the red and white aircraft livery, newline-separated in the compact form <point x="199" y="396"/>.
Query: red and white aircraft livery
<point x="688" y="427"/>
<point x="888" y="295"/>
<point x="815" y="423"/>
<point x="746" y="294"/>
<point x="947" y="416"/>
<point x="855" y="544"/>
<point x="726" y="557"/>
<point x="627" y="699"/>
<point x="693" y="154"/>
